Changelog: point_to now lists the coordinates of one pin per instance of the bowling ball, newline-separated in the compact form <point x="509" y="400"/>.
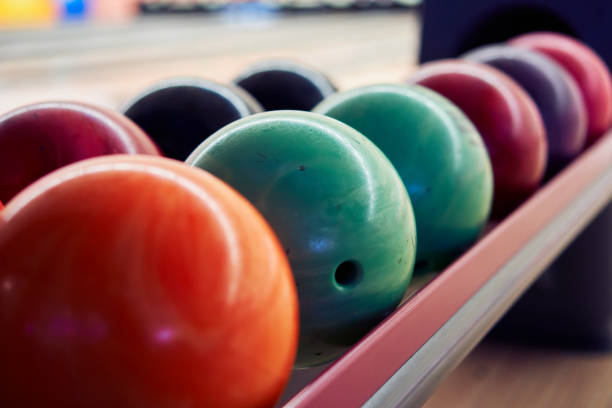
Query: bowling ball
<point x="339" y="209"/>
<point x="281" y="85"/>
<point x="555" y="93"/>
<point x="136" y="282"/>
<point x="27" y="12"/>
<point x="506" y="117"/>
<point x="74" y="9"/>
<point x="585" y="66"/>
<point x="437" y="152"/>
<point x="178" y="114"/>
<point x="39" y="138"/>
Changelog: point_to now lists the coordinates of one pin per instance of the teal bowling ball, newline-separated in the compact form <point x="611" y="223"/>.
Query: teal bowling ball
<point x="339" y="209"/>
<point x="439" y="155"/>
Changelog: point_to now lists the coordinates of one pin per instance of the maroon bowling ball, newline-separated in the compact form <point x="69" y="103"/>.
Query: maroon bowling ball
<point x="40" y="138"/>
<point x="507" y="119"/>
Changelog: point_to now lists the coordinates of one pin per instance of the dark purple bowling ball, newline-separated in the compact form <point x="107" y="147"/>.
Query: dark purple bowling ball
<point x="179" y="113"/>
<point x="554" y="91"/>
<point x="282" y="85"/>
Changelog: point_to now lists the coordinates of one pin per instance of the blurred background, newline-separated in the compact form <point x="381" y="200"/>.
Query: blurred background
<point x="106" y="51"/>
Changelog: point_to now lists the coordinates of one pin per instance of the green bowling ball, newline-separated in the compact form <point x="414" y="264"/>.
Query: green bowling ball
<point x="439" y="155"/>
<point x="339" y="209"/>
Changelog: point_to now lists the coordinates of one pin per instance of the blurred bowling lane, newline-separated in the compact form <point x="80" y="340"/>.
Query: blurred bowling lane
<point x="107" y="64"/>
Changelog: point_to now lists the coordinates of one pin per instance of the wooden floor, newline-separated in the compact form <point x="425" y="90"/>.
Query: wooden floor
<point x="108" y="65"/>
<point x="503" y="376"/>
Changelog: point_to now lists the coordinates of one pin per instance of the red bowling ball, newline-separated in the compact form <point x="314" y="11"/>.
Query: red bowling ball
<point x="37" y="139"/>
<point x="506" y="117"/>
<point x="589" y="71"/>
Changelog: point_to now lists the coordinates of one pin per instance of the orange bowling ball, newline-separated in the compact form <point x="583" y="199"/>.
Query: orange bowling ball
<point x="135" y="281"/>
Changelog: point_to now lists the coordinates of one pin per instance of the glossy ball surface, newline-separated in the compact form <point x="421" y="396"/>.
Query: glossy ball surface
<point x="505" y="116"/>
<point x="585" y="66"/>
<point x="179" y="114"/>
<point x="136" y="282"/>
<point x="339" y="209"/>
<point x="40" y="138"/>
<point x="554" y="91"/>
<point x="285" y="85"/>
<point x="437" y="152"/>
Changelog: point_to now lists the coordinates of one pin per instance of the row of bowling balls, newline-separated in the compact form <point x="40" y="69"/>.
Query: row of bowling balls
<point x="144" y="281"/>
